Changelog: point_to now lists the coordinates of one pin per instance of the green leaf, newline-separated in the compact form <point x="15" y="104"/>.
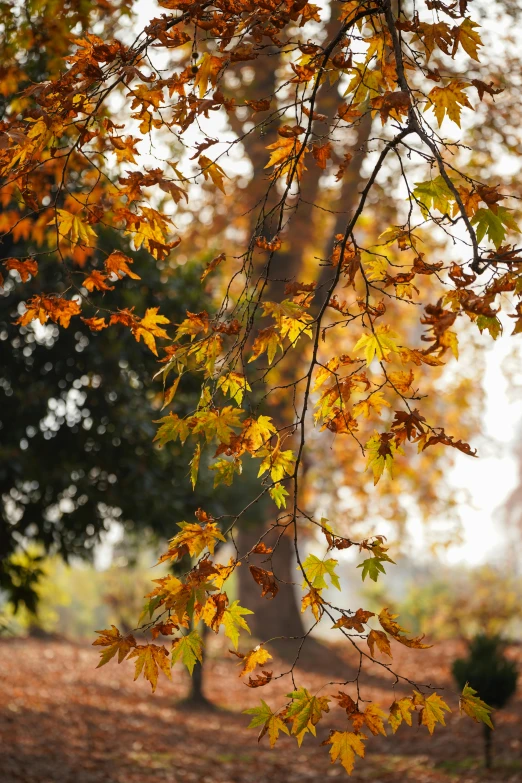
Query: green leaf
<point x="372" y="567"/>
<point x="189" y="649"/>
<point x="278" y="494"/>
<point x="475" y="707"/>
<point x="493" y="225"/>
<point x="491" y="323"/>
<point x="434" y="194"/>
<point x="225" y="470"/>
<point x="316" y="570"/>
<point x="306" y="710"/>
<point x="268" y="720"/>
<point x="233" y="621"/>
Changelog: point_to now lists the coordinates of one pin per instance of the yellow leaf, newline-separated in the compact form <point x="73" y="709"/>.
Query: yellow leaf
<point x="432" y="711"/>
<point x="345" y="745"/>
<point x="256" y="657"/>
<point x="400" y="711"/>
<point x="150" y="659"/>
<point x="392" y="627"/>
<point x="449" y="101"/>
<point x="211" y="169"/>
<point x="115" y="643"/>
<point x="381" y="640"/>
<point x="77" y="231"/>
<point x="381" y="342"/>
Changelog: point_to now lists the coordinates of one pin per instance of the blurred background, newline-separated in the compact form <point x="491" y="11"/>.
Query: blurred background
<point x="88" y="503"/>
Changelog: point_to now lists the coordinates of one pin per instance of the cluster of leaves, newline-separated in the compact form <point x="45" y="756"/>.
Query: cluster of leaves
<point x="64" y="158"/>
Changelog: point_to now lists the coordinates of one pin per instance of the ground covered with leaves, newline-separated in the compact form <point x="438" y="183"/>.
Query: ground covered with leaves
<point x="63" y="721"/>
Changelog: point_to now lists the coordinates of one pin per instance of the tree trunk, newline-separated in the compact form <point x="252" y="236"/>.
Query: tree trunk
<point x="488" y="737"/>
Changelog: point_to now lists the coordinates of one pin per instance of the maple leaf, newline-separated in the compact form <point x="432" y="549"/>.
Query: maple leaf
<point x="448" y="101"/>
<point x="313" y="600"/>
<point x="211" y="169"/>
<point x="494" y="224"/>
<point x="432" y="710"/>
<point x="376" y="402"/>
<point x="96" y="280"/>
<point x="208" y="70"/>
<point x="279" y="463"/>
<point x="266" y="580"/>
<point x="316" y="570"/>
<point x="256" y="657"/>
<point x="112" y="639"/>
<point x="355" y="621"/>
<point x="322" y="153"/>
<point x="267" y="340"/>
<point x="189" y="649"/>
<point x="269" y="721"/>
<point x="373" y="566"/>
<point x="287" y="156"/>
<point x="466" y="36"/>
<point x="72" y="226"/>
<point x="172" y="428"/>
<point x="25" y="269"/>
<point x="148" y="328"/>
<point x="225" y="470"/>
<point x="118" y="264"/>
<point x="345" y="746"/>
<point x="400" y="711"/>
<point x="233" y="621"/>
<point x="95" y="324"/>
<point x="381" y="342"/>
<point x="194" y="465"/>
<point x="392" y="627"/>
<point x="434" y="194"/>
<point x="259" y="680"/>
<point x="306" y="711"/>
<point x="235" y="385"/>
<point x="381" y="450"/>
<point x="473" y="706"/>
<point x="278" y="494"/>
<point x="380" y="639"/>
<point x="150" y="660"/>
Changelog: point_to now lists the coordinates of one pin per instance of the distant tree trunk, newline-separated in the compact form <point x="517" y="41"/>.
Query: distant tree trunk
<point x="285" y="618"/>
<point x="488" y="737"/>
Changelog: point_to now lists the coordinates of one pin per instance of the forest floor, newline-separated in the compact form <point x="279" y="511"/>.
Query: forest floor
<point x="63" y="721"/>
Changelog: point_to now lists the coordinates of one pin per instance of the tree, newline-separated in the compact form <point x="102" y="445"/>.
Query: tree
<point x="488" y="671"/>
<point x="340" y="351"/>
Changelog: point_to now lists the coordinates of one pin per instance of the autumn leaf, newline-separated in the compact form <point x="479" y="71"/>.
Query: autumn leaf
<point x="355" y="621"/>
<point x="115" y="643"/>
<point x="400" y="711"/>
<point x="306" y="711"/>
<point x="313" y="600"/>
<point x="150" y="660"/>
<point x="188" y="649"/>
<point x="269" y="721"/>
<point x="448" y="101"/>
<point x="149" y="328"/>
<point x="256" y="657"/>
<point x="233" y="621"/>
<point x="73" y="227"/>
<point x="212" y="170"/>
<point x="96" y="280"/>
<point x="432" y="710"/>
<point x="118" y="264"/>
<point x="345" y="746"/>
<point x="316" y="570"/>
<point x="392" y="627"/>
<point x="473" y="706"/>
<point x="266" y="580"/>
<point x="26" y="269"/>
<point x="379" y="639"/>
<point x="381" y="342"/>
<point x="278" y="494"/>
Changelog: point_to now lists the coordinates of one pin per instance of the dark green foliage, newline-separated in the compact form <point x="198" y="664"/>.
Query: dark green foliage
<point x="76" y="421"/>
<point x="487" y="670"/>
